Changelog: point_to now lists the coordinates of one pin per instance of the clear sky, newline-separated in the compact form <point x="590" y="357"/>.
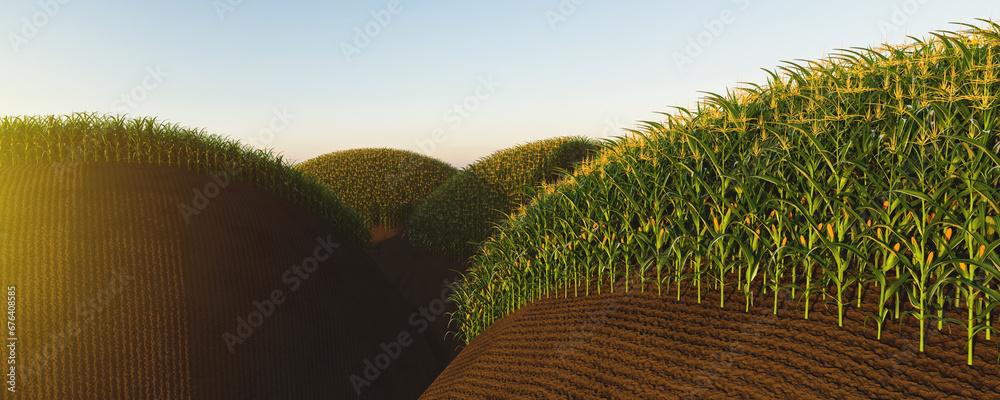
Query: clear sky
<point x="456" y="80"/>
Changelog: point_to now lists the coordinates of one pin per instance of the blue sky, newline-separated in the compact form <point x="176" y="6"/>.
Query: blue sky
<point x="456" y="80"/>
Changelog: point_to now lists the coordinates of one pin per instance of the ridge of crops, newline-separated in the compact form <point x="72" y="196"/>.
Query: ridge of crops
<point x="383" y="185"/>
<point x="68" y="140"/>
<point x="462" y="212"/>
<point x="873" y="167"/>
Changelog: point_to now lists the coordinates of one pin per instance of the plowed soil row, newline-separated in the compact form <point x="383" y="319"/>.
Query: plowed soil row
<point x="422" y="278"/>
<point x="641" y="345"/>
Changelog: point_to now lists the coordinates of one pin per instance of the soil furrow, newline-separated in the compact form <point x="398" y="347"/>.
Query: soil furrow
<point x="643" y="345"/>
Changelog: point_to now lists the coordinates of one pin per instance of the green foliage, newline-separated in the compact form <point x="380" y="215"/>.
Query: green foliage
<point x="461" y="213"/>
<point x="383" y="185"/>
<point x="65" y="141"/>
<point x="872" y="167"/>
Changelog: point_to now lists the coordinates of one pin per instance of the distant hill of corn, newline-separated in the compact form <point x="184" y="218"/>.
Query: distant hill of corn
<point x="383" y="185"/>
<point x="873" y="167"/>
<point x="465" y="208"/>
<point x="67" y="141"/>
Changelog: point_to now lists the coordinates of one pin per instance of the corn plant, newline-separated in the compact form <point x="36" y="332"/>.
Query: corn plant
<point x="459" y="213"/>
<point x="383" y="185"/>
<point x="89" y="137"/>
<point x="873" y="166"/>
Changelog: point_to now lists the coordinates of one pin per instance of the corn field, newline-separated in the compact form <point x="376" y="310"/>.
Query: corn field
<point x="383" y="185"/>
<point x="462" y="213"/>
<point x="873" y="167"/>
<point x="65" y="141"/>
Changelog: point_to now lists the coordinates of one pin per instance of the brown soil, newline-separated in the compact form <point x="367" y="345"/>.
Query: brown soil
<point x="380" y="233"/>
<point x="158" y="332"/>
<point x="641" y="345"/>
<point x="422" y="279"/>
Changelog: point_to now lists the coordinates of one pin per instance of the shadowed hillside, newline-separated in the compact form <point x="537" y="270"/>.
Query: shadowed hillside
<point x="122" y="295"/>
